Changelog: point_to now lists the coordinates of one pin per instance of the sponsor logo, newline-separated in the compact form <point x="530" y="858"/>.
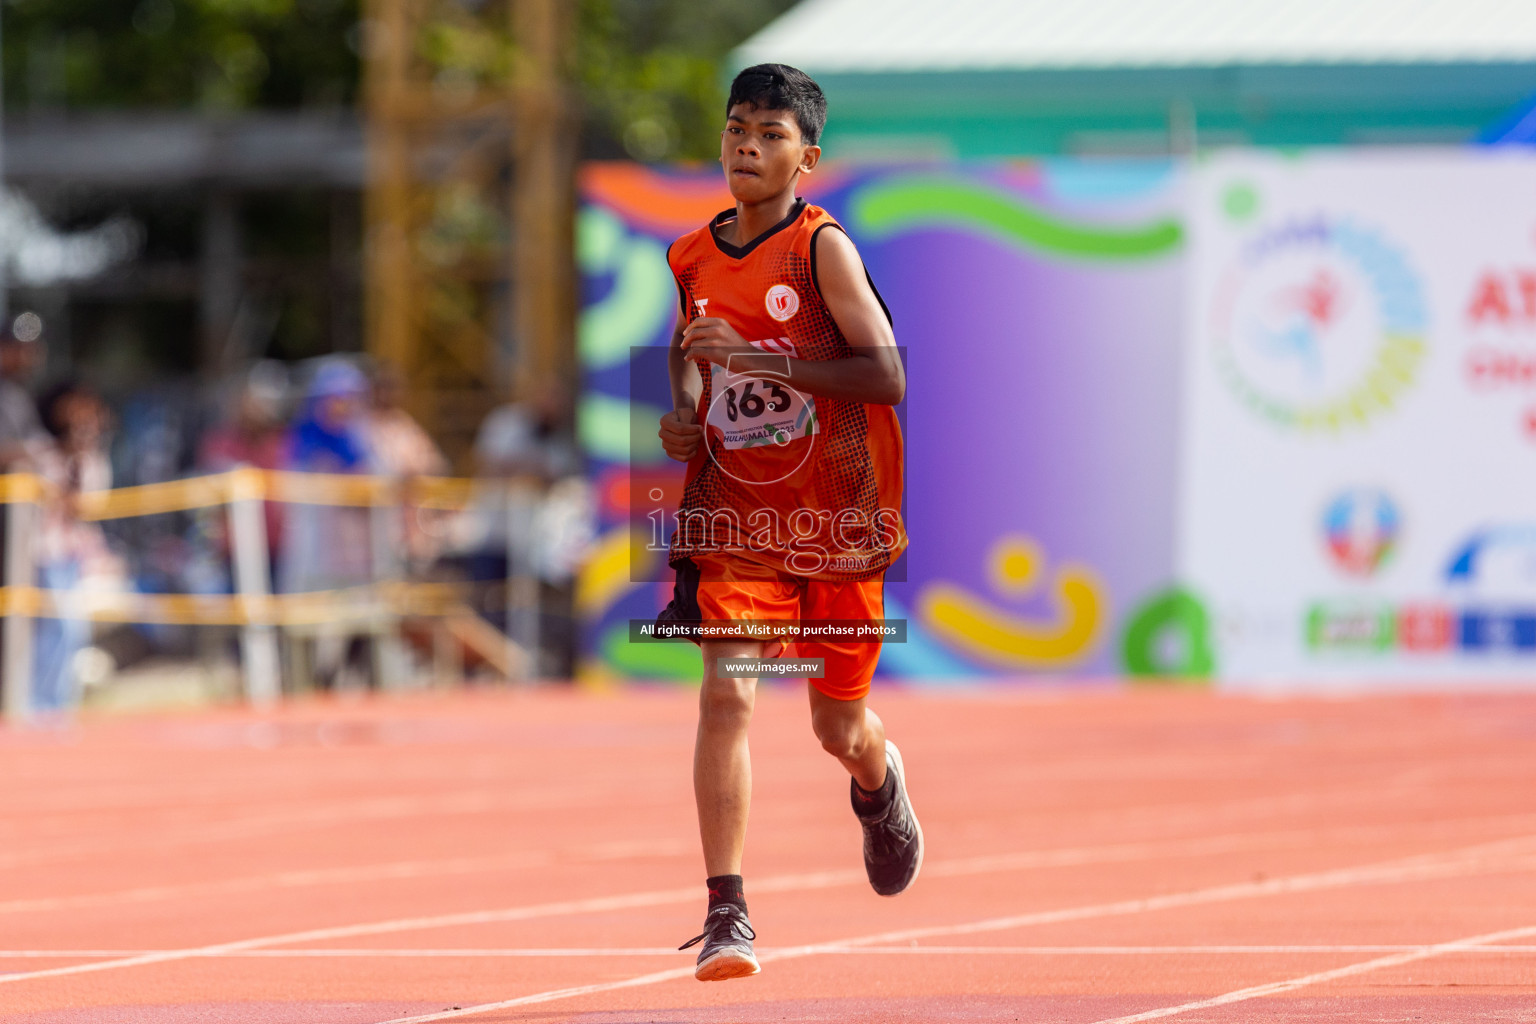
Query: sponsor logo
<point x="1350" y="627"/>
<point x="782" y="302"/>
<point x="1319" y="325"/>
<point x="1420" y="629"/>
<point x="1424" y="628"/>
<point x="1498" y="630"/>
<point x="1496" y="564"/>
<point x="1490" y="606"/>
<point x="1360" y="527"/>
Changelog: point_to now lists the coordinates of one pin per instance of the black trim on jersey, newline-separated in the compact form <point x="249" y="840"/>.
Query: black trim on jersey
<point x="816" y="281"/>
<point x="682" y="296"/>
<point x="737" y="252"/>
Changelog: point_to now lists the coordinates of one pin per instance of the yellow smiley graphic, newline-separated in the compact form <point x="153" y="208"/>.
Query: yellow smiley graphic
<point x="980" y="629"/>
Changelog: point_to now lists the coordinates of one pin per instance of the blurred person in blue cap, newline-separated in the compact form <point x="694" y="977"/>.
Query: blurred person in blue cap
<point x="330" y="433"/>
<point x="329" y="547"/>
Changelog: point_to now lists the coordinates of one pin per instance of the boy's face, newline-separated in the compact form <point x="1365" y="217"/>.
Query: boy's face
<point x="762" y="151"/>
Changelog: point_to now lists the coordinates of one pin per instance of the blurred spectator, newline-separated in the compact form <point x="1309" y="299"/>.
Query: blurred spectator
<point x="533" y="519"/>
<point x="400" y="445"/>
<point x="66" y="546"/>
<point x="326" y="547"/>
<point x="256" y="436"/>
<point x="156" y="432"/>
<point x="526" y="439"/>
<point x="402" y="449"/>
<point x="22" y="437"/>
<point x="521" y="441"/>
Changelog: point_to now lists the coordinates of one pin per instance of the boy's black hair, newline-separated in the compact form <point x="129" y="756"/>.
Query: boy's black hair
<point x="781" y="87"/>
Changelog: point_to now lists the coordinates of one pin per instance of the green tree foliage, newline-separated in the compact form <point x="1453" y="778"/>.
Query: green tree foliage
<point x="651" y="72"/>
<point x="212" y="54"/>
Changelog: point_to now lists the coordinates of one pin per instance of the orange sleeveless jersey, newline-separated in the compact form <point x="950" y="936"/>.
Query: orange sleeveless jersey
<point x="799" y="484"/>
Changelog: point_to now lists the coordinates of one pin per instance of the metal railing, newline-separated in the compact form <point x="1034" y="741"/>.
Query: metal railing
<point x="376" y="607"/>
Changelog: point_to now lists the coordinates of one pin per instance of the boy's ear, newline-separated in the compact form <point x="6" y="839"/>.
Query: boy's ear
<point x="809" y="159"/>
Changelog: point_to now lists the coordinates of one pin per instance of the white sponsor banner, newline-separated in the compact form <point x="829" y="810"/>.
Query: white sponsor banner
<point x="1358" y="498"/>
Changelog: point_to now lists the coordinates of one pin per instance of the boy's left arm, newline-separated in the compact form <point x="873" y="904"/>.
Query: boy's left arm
<point x="873" y="374"/>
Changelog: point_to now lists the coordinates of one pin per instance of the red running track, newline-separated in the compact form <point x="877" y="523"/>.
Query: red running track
<point x="531" y="857"/>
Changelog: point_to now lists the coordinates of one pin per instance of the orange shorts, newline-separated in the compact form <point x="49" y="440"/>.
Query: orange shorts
<point x="737" y="589"/>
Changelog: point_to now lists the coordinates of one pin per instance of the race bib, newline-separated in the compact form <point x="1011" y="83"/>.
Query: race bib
<point x="751" y="412"/>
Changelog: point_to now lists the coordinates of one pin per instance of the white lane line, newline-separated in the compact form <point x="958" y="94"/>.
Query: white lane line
<point x="1481" y="856"/>
<point x="670" y="951"/>
<point x="302" y="954"/>
<point x="594" y="905"/>
<point x="1299" y="950"/>
<point x="1291" y="984"/>
<point x="1409" y="869"/>
<point x="353" y="874"/>
<point x="1063" y="857"/>
<point x="322" y="816"/>
<point x="279" y="880"/>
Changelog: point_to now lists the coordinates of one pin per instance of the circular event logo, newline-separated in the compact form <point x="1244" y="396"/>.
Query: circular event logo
<point x="1361" y="528"/>
<point x="1319" y="325"/>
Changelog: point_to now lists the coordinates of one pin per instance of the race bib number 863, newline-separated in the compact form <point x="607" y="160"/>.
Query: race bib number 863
<point x="750" y="412"/>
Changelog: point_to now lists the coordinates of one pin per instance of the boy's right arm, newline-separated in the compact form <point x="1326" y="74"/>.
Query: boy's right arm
<point x="680" y="430"/>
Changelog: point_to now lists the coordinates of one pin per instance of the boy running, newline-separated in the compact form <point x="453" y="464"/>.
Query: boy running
<point x="784" y="371"/>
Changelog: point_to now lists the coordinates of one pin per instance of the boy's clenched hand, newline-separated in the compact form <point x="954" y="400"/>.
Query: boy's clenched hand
<point x="711" y="339"/>
<point x="680" y="434"/>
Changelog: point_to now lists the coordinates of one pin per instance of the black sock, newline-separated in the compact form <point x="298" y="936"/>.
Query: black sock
<point x="726" y="889"/>
<point x="866" y="803"/>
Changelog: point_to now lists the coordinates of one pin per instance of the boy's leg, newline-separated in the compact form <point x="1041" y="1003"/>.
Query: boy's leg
<point x="852" y="733"/>
<point x="722" y="788"/>
<point x="893" y="840"/>
<point x="722" y="767"/>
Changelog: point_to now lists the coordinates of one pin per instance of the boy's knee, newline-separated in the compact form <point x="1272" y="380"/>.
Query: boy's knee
<point x="725" y="701"/>
<point x="840" y="736"/>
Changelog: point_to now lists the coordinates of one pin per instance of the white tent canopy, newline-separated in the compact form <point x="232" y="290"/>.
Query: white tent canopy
<point x="853" y="36"/>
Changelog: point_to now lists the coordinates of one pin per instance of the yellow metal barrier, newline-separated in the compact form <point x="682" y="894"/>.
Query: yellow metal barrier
<point x="315" y="608"/>
<point x="338" y="489"/>
<point x="254" y="608"/>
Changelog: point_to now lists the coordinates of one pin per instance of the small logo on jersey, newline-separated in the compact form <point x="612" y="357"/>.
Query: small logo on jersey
<point x="701" y="303"/>
<point x="778" y="346"/>
<point x="782" y="302"/>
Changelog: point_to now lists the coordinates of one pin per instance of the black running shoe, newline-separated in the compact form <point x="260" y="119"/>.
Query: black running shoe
<point x="893" y="840"/>
<point x="727" y="951"/>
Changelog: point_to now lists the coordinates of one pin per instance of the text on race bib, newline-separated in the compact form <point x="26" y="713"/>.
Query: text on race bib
<point x="751" y="412"/>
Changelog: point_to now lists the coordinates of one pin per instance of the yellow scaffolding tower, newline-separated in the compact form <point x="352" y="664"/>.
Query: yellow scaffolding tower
<point x="470" y="205"/>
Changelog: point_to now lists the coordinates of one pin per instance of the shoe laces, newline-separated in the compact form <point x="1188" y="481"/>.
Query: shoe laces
<point x="889" y="835"/>
<point x="724" y="924"/>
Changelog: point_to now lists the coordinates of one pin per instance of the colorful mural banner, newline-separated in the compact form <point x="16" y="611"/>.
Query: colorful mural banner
<point x="1263" y="418"/>
<point x="1039" y="305"/>
<point x="1359" y="454"/>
